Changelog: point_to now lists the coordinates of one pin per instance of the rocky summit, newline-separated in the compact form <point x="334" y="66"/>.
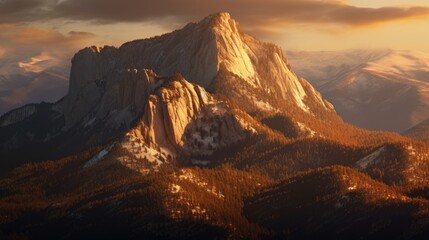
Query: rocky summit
<point x="113" y="89"/>
<point x="205" y="53"/>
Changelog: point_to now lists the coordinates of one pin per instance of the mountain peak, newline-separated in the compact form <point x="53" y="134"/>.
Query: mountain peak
<point x="220" y="16"/>
<point x="211" y="53"/>
<point x="217" y="17"/>
<point x="221" y="20"/>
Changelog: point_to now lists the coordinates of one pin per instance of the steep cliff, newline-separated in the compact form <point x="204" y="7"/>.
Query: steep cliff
<point x="113" y="90"/>
<point x="209" y="53"/>
<point x="182" y="120"/>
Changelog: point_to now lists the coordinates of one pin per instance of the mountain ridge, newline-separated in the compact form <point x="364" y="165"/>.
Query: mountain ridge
<point x="419" y="131"/>
<point x="369" y="87"/>
<point x="109" y="87"/>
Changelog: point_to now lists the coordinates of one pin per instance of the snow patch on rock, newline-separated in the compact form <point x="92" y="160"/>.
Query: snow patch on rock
<point x="99" y="156"/>
<point x="411" y="150"/>
<point x="174" y="188"/>
<point x="186" y="174"/>
<point x="304" y="128"/>
<point x="370" y="159"/>
<point x="89" y="122"/>
<point x="142" y="157"/>
<point x="214" y="128"/>
<point x="263" y="105"/>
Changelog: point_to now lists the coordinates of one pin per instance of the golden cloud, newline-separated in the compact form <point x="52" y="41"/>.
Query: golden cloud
<point x="22" y="41"/>
<point x="2" y="52"/>
<point x="255" y="12"/>
<point x="247" y="11"/>
<point x="38" y="63"/>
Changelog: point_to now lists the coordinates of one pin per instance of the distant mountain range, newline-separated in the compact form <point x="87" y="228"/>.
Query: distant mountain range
<point x="202" y="133"/>
<point x="379" y="90"/>
<point x="44" y="79"/>
<point x="420" y="131"/>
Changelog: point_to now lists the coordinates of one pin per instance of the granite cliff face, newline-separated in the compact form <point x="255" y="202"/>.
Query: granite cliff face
<point x="206" y="53"/>
<point x="182" y="117"/>
<point x="181" y="120"/>
<point x="113" y="90"/>
<point x="99" y="90"/>
<point x="170" y="110"/>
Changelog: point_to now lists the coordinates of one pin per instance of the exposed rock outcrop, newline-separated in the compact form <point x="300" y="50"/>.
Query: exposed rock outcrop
<point x="112" y="91"/>
<point x="205" y="53"/>
<point x="184" y="119"/>
<point x="100" y="89"/>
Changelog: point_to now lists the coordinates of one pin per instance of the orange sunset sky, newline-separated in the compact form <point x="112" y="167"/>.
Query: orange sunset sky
<point x="63" y="26"/>
<point x="29" y="27"/>
<point x="32" y="31"/>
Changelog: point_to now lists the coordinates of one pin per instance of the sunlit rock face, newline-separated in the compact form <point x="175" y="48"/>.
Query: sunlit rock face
<point x="183" y="118"/>
<point x="113" y="90"/>
<point x="170" y="110"/>
<point x="98" y="88"/>
<point x="205" y="53"/>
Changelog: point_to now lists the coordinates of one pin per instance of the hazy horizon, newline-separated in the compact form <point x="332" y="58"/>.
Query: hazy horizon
<point x="30" y="27"/>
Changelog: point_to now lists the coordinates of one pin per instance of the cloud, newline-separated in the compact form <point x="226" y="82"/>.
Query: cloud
<point x="2" y="52"/>
<point x="23" y="41"/>
<point x="38" y="63"/>
<point x="81" y="34"/>
<point x="247" y="11"/>
<point x="266" y="19"/>
<point x="21" y="10"/>
<point x="25" y="48"/>
<point x="35" y="62"/>
<point x="18" y="90"/>
<point x="366" y="16"/>
<point x="30" y="36"/>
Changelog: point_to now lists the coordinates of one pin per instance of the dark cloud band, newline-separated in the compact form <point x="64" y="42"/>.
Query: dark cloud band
<point x="249" y="12"/>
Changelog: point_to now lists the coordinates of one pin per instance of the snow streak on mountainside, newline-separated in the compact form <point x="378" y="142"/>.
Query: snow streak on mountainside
<point x="384" y="89"/>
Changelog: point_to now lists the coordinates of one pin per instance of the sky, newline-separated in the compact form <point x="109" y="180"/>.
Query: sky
<point x="37" y="34"/>
<point x="59" y="27"/>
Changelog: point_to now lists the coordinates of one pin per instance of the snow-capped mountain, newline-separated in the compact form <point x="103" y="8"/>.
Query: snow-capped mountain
<point x="383" y="89"/>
